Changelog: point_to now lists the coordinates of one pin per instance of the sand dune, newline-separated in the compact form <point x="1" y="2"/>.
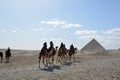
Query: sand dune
<point x="24" y="66"/>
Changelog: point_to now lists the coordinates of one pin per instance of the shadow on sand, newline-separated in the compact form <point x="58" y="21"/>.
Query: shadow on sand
<point x="68" y="63"/>
<point x="51" y="68"/>
<point x="77" y="61"/>
<point x="71" y="63"/>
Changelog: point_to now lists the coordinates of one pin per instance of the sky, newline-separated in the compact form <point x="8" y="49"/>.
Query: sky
<point x="27" y="24"/>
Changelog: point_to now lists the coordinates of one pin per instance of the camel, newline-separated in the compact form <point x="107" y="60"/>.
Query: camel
<point x="1" y="55"/>
<point x="62" y="54"/>
<point x="76" y="50"/>
<point x="53" y="52"/>
<point x="8" y="55"/>
<point x="72" y="52"/>
<point x="43" y="55"/>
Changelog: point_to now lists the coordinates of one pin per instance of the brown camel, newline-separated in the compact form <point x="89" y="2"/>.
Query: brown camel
<point x="72" y="52"/>
<point x="43" y="55"/>
<point x="53" y="51"/>
<point x="1" y="55"/>
<point x="62" y="54"/>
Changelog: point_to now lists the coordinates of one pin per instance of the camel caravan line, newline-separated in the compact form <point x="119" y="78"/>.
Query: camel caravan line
<point x="47" y="56"/>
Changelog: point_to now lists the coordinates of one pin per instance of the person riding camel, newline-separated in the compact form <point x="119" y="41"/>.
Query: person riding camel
<point x="9" y="51"/>
<point x="45" y="45"/>
<point x="8" y="54"/>
<point x="51" y="46"/>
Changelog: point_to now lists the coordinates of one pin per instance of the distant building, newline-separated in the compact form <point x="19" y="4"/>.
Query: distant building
<point x="93" y="46"/>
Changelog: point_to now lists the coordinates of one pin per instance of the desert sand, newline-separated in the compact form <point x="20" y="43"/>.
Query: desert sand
<point x="24" y="66"/>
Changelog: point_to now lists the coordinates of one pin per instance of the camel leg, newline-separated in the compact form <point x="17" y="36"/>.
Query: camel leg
<point x="53" y="60"/>
<point x="66" y="58"/>
<point x="6" y="59"/>
<point x="39" y="60"/>
<point x="70" y="57"/>
<point x="43" y="61"/>
<point x="1" y="59"/>
<point x="47" y="59"/>
<point x="74" y="57"/>
<point x="57" y="59"/>
<point x="39" y="63"/>
<point x="61" y="59"/>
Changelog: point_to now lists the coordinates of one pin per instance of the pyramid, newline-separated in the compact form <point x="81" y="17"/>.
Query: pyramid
<point x="93" y="45"/>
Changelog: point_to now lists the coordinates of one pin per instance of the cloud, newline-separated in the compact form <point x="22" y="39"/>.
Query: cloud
<point x="52" y="29"/>
<point x="10" y="31"/>
<point x="55" y="22"/>
<point x="86" y="32"/>
<point x="112" y="34"/>
<point x="37" y="29"/>
<point x="115" y="31"/>
<point x="21" y="31"/>
<point x="43" y="33"/>
<point x="56" y="39"/>
<point x="111" y="43"/>
<point x="90" y="37"/>
<point x="51" y="39"/>
<point x="3" y="30"/>
<point x="69" y="25"/>
<point x="60" y="23"/>
<point x="13" y="31"/>
<point x="113" y="37"/>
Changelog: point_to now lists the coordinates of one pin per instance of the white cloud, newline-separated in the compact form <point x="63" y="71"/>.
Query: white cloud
<point x="51" y="39"/>
<point x="113" y="37"/>
<point x="21" y="31"/>
<point x="90" y="37"/>
<point x="43" y="33"/>
<point x="86" y="32"/>
<point x="115" y="31"/>
<point x="37" y="29"/>
<point x="60" y="23"/>
<point x="56" y="39"/>
<point x="112" y="34"/>
<point x="68" y="25"/>
<point x="4" y="31"/>
<point x="13" y="31"/>
<point x="54" y="22"/>
<point x="52" y="29"/>
<point x="111" y="43"/>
